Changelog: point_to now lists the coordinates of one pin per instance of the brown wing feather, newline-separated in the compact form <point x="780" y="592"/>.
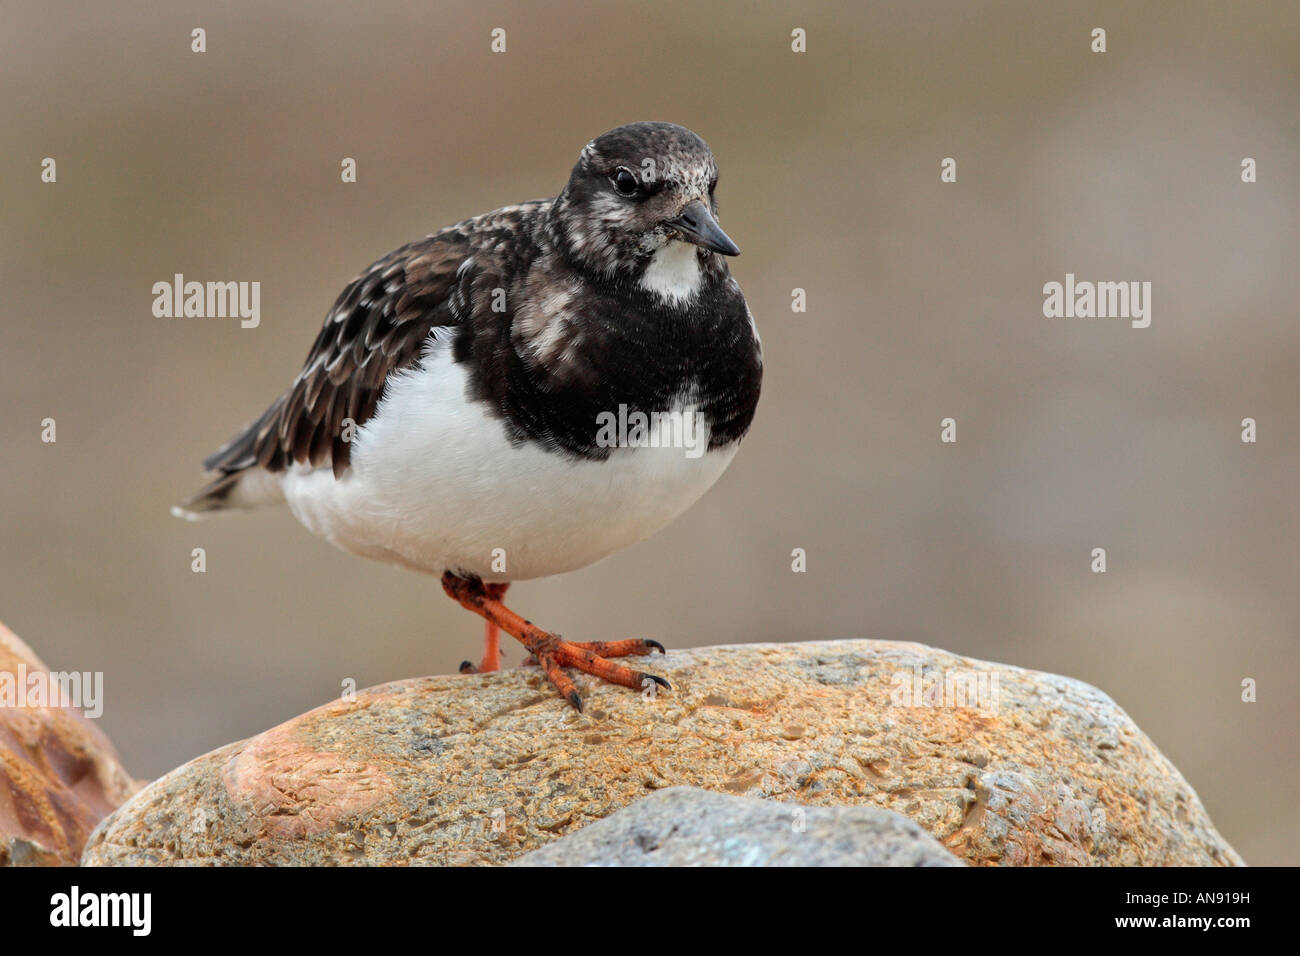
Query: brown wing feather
<point x="377" y="326"/>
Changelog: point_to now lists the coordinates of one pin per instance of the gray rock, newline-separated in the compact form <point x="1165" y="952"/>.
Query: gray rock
<point x="685" y="826"/>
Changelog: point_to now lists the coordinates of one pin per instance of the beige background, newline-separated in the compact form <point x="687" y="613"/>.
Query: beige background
<point x="924" y="301"/>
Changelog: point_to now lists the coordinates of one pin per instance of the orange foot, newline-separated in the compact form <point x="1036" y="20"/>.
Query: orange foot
<point x="552" y="653"/>
<point x="491" y="638"/>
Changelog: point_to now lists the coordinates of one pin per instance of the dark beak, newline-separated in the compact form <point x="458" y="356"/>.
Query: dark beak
<point x="697" y="225"/>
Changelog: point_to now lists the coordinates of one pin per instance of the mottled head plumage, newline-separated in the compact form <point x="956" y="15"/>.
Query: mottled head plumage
<point x="635" y="190"/>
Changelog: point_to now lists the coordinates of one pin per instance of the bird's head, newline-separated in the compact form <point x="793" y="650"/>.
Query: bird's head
<point x="636" y="191"/>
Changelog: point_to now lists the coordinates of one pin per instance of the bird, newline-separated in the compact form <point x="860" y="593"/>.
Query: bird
<point x="522" y="394"/>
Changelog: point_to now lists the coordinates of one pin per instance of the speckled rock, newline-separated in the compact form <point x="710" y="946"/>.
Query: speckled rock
<point x="685" y="826"/>
<point x="1000" y="764"/>
<point x="59" y="775"/>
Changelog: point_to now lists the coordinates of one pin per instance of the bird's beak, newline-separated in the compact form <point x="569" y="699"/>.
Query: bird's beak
<point x="696" y="224"/>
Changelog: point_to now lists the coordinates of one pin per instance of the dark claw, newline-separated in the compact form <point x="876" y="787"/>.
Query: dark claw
<point x="467" y="667"/>
<point x="657" y="646"/>
<point x="575" y="700"/>
<point x="658" y="680"/>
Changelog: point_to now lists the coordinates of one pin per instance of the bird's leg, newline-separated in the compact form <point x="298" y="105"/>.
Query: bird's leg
<point x="491" y="637"/>
<point x="552" y="653"/>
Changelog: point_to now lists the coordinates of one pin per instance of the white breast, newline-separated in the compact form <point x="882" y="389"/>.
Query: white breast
<point x="673" y="273"/>
<point x="435" y="486"/>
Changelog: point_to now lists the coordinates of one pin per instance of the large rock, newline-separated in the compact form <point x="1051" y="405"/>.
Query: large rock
<point x="59" y="775"/>
<point x="481" y="769"/>
<point x="683" y="826"/>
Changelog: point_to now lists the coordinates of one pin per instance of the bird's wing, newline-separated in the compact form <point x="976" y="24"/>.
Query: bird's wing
<point x="378" y="325"/>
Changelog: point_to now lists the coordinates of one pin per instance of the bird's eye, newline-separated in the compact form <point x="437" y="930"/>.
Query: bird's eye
<point x="624" y="181"/>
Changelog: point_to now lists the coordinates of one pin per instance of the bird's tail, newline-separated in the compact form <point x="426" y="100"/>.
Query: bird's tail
<point x="229" y="492"/>
<point x="241" y="482"/>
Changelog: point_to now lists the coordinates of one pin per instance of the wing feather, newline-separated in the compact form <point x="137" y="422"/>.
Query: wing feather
<point x="378" y="325"/>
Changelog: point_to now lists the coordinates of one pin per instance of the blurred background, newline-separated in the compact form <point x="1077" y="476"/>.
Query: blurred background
<point x="924" y="302"/>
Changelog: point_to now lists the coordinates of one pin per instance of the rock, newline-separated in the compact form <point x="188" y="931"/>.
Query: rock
<point x="683" y="826"/>
<point x="59" y="775"/>
<point x="481" y="769"/>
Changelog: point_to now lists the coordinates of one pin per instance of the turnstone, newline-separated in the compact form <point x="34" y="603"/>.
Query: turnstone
<point x="455" y="415"/>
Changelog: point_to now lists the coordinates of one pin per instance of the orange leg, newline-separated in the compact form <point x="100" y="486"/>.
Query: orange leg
<point x="491" y="638"/>
<point x="552" y="653"/>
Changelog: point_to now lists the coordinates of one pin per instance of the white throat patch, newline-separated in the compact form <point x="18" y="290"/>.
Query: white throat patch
<point x="674" y="272"/>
